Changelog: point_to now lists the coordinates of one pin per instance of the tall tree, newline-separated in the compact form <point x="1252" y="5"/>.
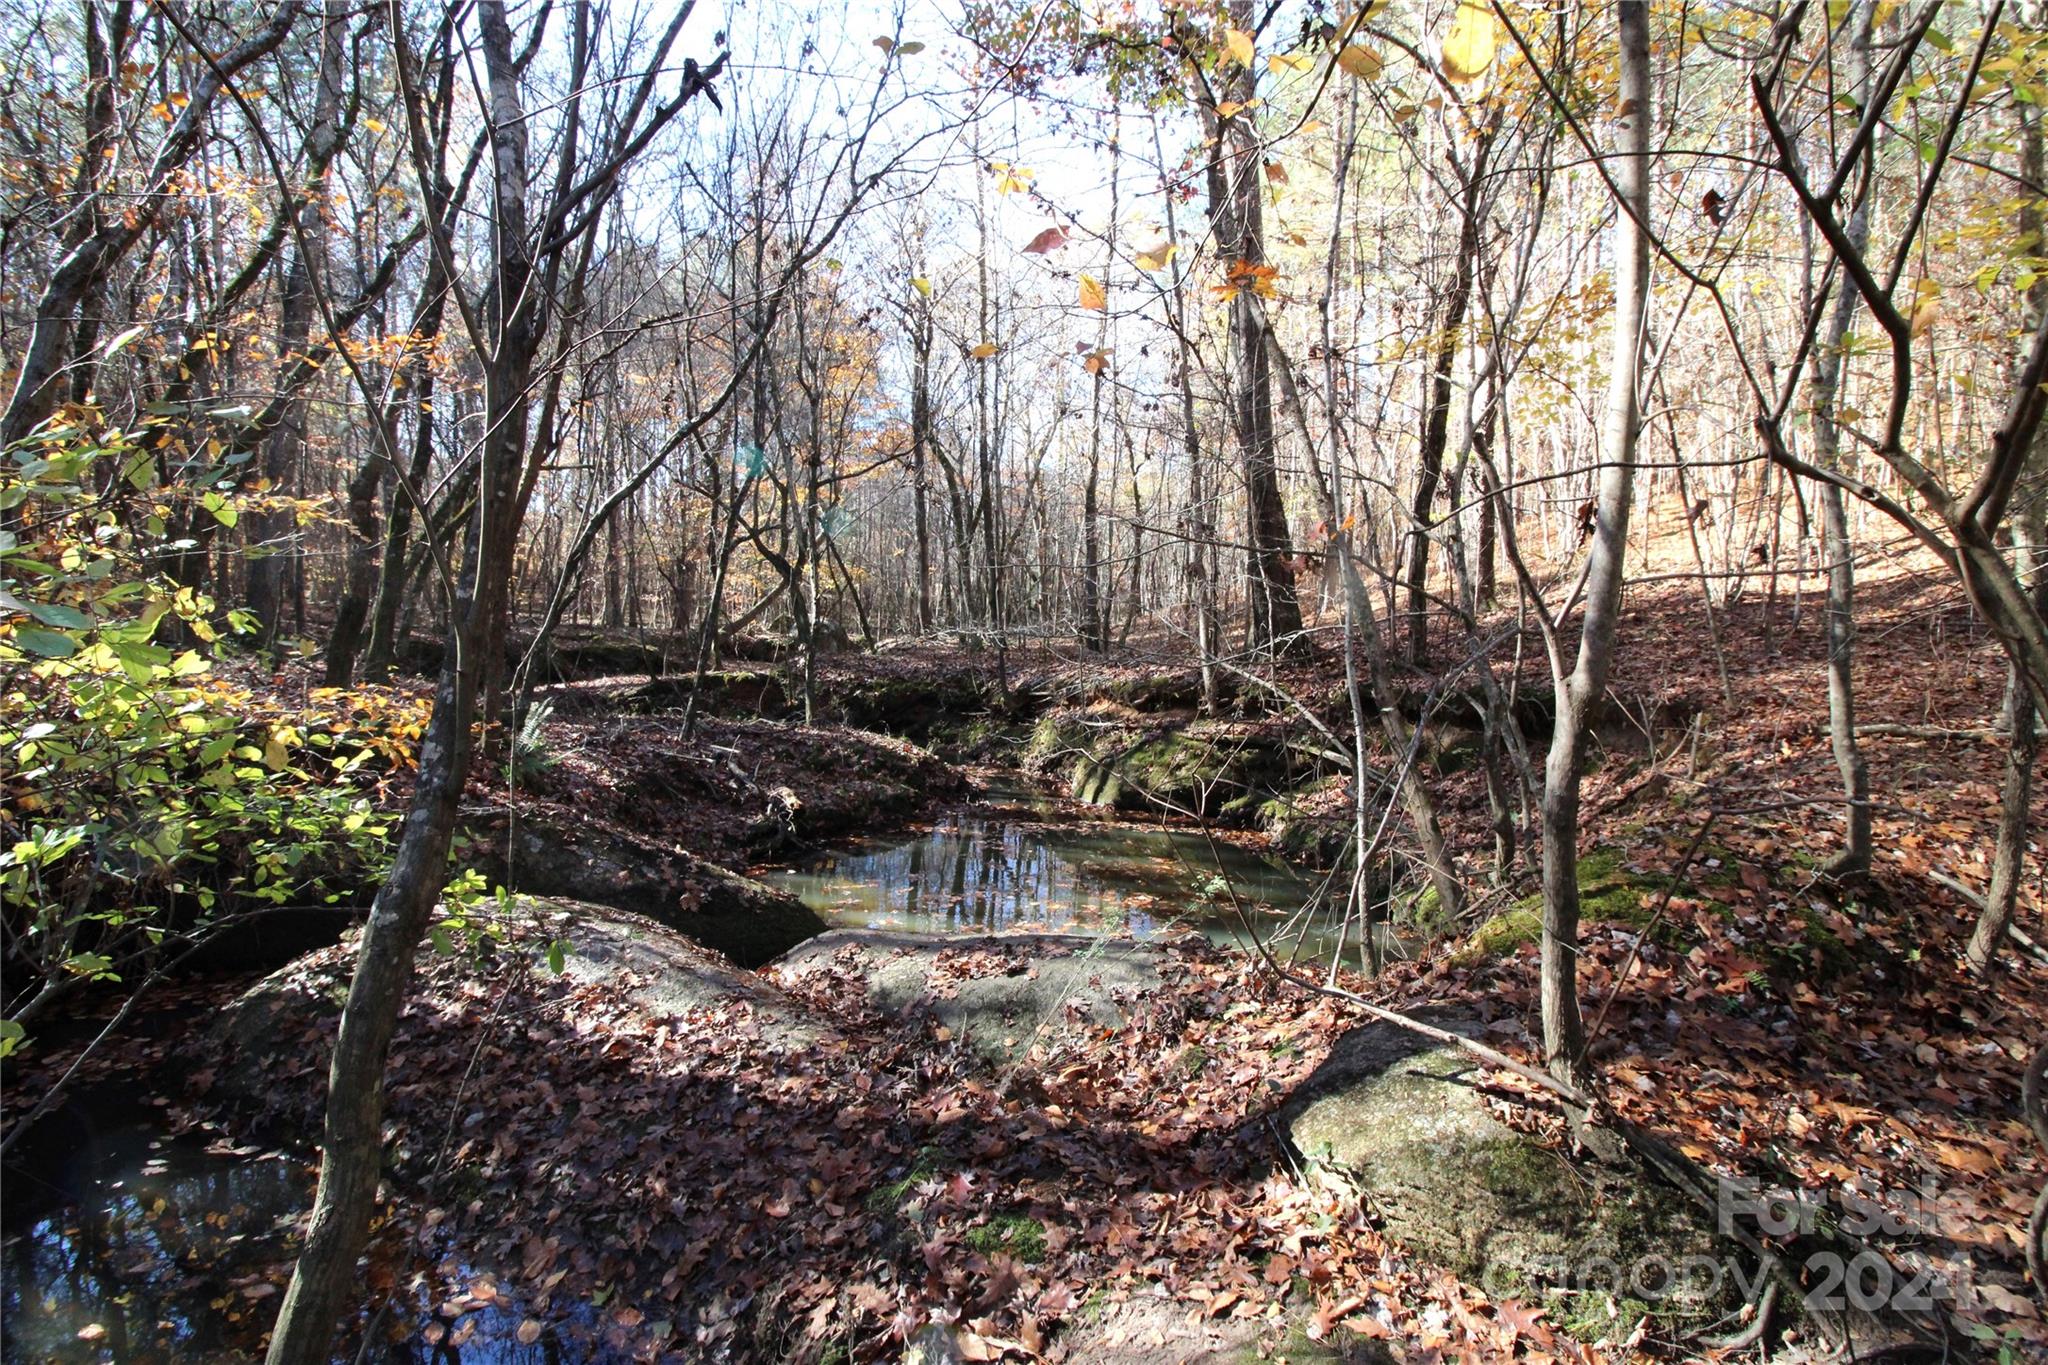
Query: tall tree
<point x="1583" y="689"/>
<point x="506" y="325"/>
<point x="1233" y="168"/>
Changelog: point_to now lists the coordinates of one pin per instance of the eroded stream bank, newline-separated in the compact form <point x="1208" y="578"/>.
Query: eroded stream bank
<point x="140" y="1231"/>
<point x="873" y="1166"/>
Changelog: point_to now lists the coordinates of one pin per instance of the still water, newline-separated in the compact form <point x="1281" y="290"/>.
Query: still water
<point x="1010" y="869"/>
<point x="127" y="1244"/>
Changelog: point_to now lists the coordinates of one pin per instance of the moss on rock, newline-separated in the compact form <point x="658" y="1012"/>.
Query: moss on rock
<point x="1609" y="893"/>
<point x="1463" y="1191"/>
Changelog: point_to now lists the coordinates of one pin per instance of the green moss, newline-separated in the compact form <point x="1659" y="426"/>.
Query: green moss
<point x="1503" y="934"/>
<point x="1601" y="865"/>
<point x="1609" y="893"/>
<point x="1820" y="946"/>
<point x="1014" y="1234"/>
<point x="1594" y="1316"/>
<point x="1192" y="1059"/>
<point x="1055" y="734"/>
<point x="1726" y="868"/>
<point x="1525" y="1173"/>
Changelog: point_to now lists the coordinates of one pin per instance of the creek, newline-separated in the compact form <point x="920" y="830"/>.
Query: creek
<point x="126" y="1243"/>
<point x="1025" y="864"/>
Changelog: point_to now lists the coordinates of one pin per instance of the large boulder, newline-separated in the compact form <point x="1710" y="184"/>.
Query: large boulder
<point x="1407" y="1120"/>
<point x="267" y="1049"/>
<point x="539" y="853"/>
<point x="1001" y="993"/>
<point x="1111" y="756"/>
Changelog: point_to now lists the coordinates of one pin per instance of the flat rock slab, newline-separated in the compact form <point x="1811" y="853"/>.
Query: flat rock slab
<point x="1000" y="992"/>
<point x="281" y="1027"/>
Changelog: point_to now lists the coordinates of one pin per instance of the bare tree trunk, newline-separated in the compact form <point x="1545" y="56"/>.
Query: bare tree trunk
<point x="1234" y="184"/>
<point x="1436" y="421"/>
<point x="1854" y="859"/>
<point x="268" y="529"/>
<point x="371" y="571"/>
<point x="2030" y="552"/>
<point x="1200" y="534"/>
<point x="351" y="1154"/>
<point x="1579" y="693"/>
<point x="920" y="440"/>
<point x="1362" y="633"/>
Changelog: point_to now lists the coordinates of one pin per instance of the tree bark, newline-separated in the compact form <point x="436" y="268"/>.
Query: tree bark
<point x="1579" y="693"/>
<point x="1854" y="859"/>
<point x="1436" y="421"/>
<point x="1233" y="176"/>
<point x="2030" y="551"/>
<point x="352" y="1139"/>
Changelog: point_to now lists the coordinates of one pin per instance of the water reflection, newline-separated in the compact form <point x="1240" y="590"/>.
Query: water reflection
<point x="127" y="1245"/>
<point x="138" y="1247"/>
<point x="976" y="873"/>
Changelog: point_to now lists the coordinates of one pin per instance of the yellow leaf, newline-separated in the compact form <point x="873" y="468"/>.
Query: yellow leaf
<point x="1093" y="296"/>
<point x="1926" y="306"/>
<point x="1232" y="108"/>
<point x="1360" y="61"/>
<point x="1468" y="47"/>
<point x="921" y="285"/>
<point x="1155" y="257"/>
<point x="1238" y="44"/>
<point x="985" y="350"/>
<point x="374" y="125"/>
<point x="1278" y="63"/>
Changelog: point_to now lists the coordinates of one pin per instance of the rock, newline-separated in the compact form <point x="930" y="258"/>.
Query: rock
<point x="1158" y="1331"/>
<point x="281" y="1028"/>
<point x="1213" y="768"/>
<point x="933" y="1346"/>
<point x="537" y="853"/>
<point x="1461" y="1190"/>
<point x="1000" y="992"/>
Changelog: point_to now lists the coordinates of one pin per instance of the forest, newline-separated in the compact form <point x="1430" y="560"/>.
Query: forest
<point x="1012" y="680"/>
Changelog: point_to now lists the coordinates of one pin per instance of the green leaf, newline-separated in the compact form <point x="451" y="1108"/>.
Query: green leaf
<point x="60" y="616"/>
<point x="47" y="643"/>
<point x="558" y="956"/>
<point x="12" y="1036"/>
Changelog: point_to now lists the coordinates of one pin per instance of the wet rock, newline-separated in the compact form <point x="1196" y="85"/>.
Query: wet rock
<point x="534" y="852"/>
<point x="1000" y="992"/>
<point x="1458" y="1188"/>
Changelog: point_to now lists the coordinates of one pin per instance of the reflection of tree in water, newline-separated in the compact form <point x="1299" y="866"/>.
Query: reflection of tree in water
<point x="162" y="1252"/>
<point x="135" y="1252"/>
<point x="972" y="875"/>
